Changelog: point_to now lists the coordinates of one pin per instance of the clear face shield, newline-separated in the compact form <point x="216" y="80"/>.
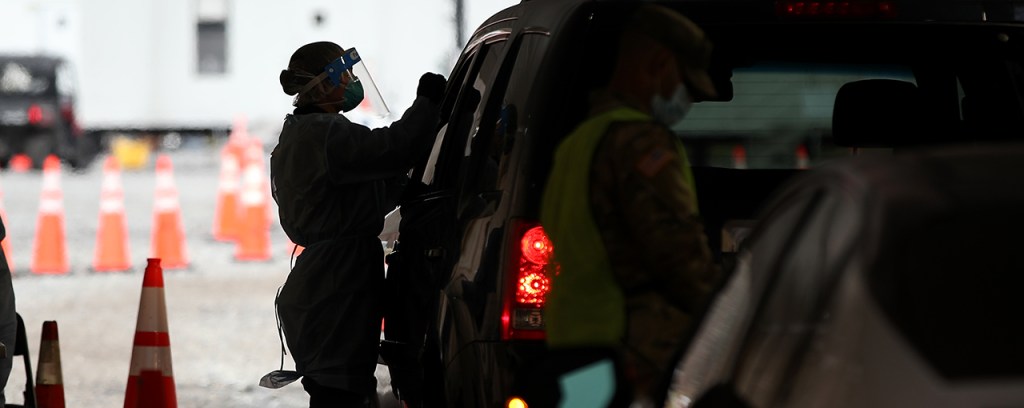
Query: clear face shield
<point x="360" y="83"/>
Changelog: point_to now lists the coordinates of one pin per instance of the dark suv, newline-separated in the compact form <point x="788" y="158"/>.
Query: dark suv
<point x="37" y="111"/>
<point x="472" y="265"/>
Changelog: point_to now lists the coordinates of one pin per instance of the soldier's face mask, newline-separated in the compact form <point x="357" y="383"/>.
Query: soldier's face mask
<point x="671" y="111"/>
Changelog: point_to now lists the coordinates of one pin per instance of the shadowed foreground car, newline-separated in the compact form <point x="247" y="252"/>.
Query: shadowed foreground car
<point x="881" y="282"/>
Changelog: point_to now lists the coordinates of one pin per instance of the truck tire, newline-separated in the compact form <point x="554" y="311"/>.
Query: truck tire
<point x="38" y="147"/>
<point x="85" y="151"/>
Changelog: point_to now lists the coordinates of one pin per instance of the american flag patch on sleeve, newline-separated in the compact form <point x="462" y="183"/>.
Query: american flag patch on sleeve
<point x="655" y="160"/>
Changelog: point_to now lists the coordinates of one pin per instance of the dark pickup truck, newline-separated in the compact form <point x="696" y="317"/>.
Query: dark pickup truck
<point x="37" y="111"/>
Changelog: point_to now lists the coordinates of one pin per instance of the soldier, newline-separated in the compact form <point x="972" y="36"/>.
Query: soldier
<point x="621" y="210"/>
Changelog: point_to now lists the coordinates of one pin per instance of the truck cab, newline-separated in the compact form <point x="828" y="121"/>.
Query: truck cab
<point x="38" y="111"/>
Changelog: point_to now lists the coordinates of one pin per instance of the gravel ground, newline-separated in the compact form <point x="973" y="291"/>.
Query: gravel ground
<point x="220" y="312"/>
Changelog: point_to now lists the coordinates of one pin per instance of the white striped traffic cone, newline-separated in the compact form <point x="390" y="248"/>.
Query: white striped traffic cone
<point x="226" y="218"/>
<point x="150" y="378"/>
<point x="112" y="234"/>
<point x="254" y="242"/>
<point x="6" y="243"/>
<point x="168" y="236"/>
<point x="50" y="253"/>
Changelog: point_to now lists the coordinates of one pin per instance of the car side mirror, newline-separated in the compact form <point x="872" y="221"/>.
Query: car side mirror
<point x="721" y="396"/>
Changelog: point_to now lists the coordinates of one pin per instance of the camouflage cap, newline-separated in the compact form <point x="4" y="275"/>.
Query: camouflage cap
<point x="684" y="38"/>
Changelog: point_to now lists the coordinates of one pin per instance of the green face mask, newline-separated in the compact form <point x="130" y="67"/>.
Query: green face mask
<point x="353" y="96"/>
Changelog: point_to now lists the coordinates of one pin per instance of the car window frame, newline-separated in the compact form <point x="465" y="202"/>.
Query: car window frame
<point x="442" y="156"/>
<point x="481" y="137"/>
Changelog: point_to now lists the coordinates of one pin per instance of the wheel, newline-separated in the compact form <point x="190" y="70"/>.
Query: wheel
<point x="85" y="151"/>
<point x="37" y="147"/>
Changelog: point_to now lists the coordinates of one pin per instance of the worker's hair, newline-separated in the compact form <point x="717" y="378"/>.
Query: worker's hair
<point x="306" y="63"/>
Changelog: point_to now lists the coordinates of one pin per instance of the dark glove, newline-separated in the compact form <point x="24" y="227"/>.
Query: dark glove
<point x="431" y="87"/>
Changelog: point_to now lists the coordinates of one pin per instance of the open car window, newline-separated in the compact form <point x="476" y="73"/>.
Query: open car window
<point x="460" y="109"/>
<point x="24" y="79"/>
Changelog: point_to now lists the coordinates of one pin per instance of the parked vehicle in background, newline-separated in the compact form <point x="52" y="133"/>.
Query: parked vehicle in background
<point x="37" y="111"/>
<point x="800" y="83"/>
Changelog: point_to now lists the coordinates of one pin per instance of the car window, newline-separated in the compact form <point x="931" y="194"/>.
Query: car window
<point x="779" y="118"/>
<point x="425" y="172"/>
<point x="991" y="103"/>
<point x="23" y="79"/>
<point x="447" y="152"/>
<point x="496" y="121"/>
<point x="65" y="80"/>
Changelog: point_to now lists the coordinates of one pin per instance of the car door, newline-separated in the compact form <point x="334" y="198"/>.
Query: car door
<point x="429" y="232"/>
<point x="480" y="365"/>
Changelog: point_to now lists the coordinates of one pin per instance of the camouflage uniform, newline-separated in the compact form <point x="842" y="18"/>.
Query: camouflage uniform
<point x="645" y="208"/>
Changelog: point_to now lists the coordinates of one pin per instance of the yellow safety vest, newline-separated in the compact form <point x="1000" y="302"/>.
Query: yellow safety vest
<point x="585" y="307"/>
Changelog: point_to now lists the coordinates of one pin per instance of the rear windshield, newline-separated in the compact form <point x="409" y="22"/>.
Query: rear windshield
<point x="25" y="79"/>
<point x="780" y="116"/>
<point x="781" y="85"/>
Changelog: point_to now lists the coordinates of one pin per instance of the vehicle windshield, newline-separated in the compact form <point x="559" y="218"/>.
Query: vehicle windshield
<point x="23" y="79"/>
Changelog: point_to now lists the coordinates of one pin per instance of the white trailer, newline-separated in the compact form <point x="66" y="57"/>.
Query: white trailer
<point x="194" y="66"/>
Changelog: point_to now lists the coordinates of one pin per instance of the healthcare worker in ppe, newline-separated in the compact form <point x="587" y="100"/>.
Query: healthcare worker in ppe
<point x="334" y="181"/>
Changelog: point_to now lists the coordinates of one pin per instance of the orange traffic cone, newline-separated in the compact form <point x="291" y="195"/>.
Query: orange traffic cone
<point x="294" y="249"/>
<point x="254" y="242"/>
<point x="49" y="254"/>
<point x="239" y="138"/>
<point x="112" y="234"/>
<point x="6" y="242"/>
<point x="365" y="106"/>
<point x="150" y="378"/>
<point x="6" y="245"/>
<point x="226" y="224"/>
<point x="739" y="157"/>
<point x="168" y="239"/>
<point x="20" y="163"/>
<point x="50" y="378"/>
<point x="803" y="160"/>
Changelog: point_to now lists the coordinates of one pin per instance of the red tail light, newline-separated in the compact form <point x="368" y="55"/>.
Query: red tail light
<point x="534" y="282"/>
<point x="35" y="114"/>
<point x="67" y="111"/>
<point x="835" y="9"/>
<point x="532" y="267"/>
